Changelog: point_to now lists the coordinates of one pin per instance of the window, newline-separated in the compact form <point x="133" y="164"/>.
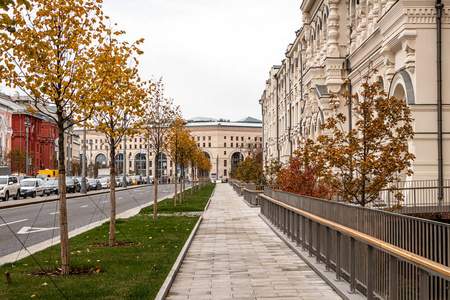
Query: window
<point x="242" y="145"/>
<point x="101" y="146"/>
<point x="198" y="145"/>
<point x="237" y="138"/>
<point x="95" y="147"/>
<point x="224" y="137"/>
<point x="209" y="138"/>
<point x="209" y="145"/>
<point x="140" y="139"/>
<point x="231" y="138"/>
<point x="150" y="171"/>
<point x="198" y="138"/>
<point x="225" y="163"/>
<point x="224" y="152"/>
<point x="256" y="139"/>
<point x="150" y="164"/>
<point x="101" y="140"/>
<point x="171" y="166"/>
<point x="135" y="140"/>
<point x="170" y="172"/>
<point x="131" y="146"/>
<point x="135" y="146"/>
<point x="231" y="145"/>
<point x="204" y="145"/>
<point x="140" y="146"/>
<point x="260" y="139"/>
<point x="204" y="138"/>
<point x="242" y="138"/>
<point x="225" y="172"/>
<point x="96" y="141"/>
<point x="224" y="145"/>
<point x="249" y="138"/>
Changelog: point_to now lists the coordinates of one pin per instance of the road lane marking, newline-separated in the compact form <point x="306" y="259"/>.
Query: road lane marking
<point x="27" y="229"/>
<point x="9" y="223"/>
<point x="84" y="206"/>
<point x="54" y="213"/>
<point x="106" y="201"/>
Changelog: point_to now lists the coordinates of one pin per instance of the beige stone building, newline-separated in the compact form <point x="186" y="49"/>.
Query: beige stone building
<point x="341" y="40"/>
<point x="220" y="140"/>
<point x="226" y="143"/>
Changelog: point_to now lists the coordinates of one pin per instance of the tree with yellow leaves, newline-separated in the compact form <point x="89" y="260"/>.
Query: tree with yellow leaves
<point x="159" y="114"/>
<point x="360" y="162"/>
<point x="179" y="137"/>
<point x="119" y="109"/>
<point x="50" y="57"/>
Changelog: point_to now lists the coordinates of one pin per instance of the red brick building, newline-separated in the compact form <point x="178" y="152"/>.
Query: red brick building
<point x="42" y="133"/>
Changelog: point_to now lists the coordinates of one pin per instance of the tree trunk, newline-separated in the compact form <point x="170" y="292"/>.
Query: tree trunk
<point x="64" y="231"/>
<point x="175" y="182"/>
<point x="155" y="195"/>
<point x="193" y="181"/>
<point x="112" y="174"/>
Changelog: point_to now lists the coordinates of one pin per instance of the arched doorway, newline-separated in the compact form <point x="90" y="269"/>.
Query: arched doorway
<point x="140" y="164"/>
<point x="236" y="158"/>
<point x="207" y="155"/>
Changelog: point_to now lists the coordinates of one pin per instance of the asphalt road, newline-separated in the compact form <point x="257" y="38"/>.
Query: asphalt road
<point x="36" y="223"/>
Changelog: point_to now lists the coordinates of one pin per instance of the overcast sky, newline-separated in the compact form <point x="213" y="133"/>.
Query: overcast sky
<point x="214" y="55"/>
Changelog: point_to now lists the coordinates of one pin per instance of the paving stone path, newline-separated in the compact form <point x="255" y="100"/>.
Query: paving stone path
<point x="235" y="255"/>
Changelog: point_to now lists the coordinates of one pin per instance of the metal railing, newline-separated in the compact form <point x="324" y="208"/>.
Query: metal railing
<point x="252" y="196"/>
<point x="419" y="196"/>
<point x="382" y="255"/>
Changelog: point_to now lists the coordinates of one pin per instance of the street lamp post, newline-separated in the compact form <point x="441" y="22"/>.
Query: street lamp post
<point x="83" y="162"/>
<point x="91" y="169"/>
<point x="27" y="125"/>
<point x="124" y="178"/>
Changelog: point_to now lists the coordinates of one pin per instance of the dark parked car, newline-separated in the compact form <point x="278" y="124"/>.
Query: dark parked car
<point x="94" y="184"/>
<point x="51" y="186"/>
<point x="72" y="185"/>
<point x="79" y="178"/>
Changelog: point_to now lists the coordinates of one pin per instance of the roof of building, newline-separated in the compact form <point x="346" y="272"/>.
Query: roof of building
<point x="208" y="122"/>
<point x="249" y="120"/>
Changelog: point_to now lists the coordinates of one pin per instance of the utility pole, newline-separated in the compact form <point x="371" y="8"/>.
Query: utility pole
<point x="91" y="167"/>
<point x="27" y="125"/>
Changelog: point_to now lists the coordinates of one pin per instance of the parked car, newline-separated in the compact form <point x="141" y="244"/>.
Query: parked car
<point x="105" y="183"/>
<point x="9" y="186"/>
<point x="31" y="187"/>
<point x="79" y="178"/>
<point x="94" y="184"/>
<point x="72" y="185"/>
<point x="119" y="181"/>
<point x="51" y="186"/>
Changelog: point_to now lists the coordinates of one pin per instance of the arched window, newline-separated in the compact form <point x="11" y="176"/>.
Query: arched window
<point x="119" y="163"/>
<point x="162" y="165"/>
<point x="140" y="164"/>
<point x="100" y="161"/>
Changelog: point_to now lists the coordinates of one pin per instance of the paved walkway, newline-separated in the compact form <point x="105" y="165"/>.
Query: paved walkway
<point x="235" y="255"/>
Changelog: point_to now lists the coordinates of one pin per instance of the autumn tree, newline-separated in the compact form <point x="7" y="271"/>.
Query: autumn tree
<point x="251" y="169"/>
<point x="375" y="152"/>
<point x="119" y="108"/>
<point x="178" y="138"/>
<point x="159" y="113"/>
<point x="50" y="57"/>
<point x="271" y="169"/>
<point x="17" y="160"/>
<point x="303" y="173"/>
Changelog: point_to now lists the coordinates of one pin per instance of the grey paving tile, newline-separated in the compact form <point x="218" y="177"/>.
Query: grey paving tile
<point x="235" y="255"/>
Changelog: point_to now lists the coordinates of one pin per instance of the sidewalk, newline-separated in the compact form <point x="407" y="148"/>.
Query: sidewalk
<point x="235" y="255"/>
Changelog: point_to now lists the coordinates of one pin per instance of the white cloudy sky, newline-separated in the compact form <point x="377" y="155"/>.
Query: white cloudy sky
<point x="214" y="55"/>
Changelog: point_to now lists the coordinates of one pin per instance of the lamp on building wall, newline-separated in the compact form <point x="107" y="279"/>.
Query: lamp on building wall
<point x="27" y="125"/>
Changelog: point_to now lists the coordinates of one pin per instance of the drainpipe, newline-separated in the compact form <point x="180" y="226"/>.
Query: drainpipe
<point x="290" y="107"/>
<point x="439" y="6"/>
<point x="350" y="108"/>
<point x="278" y="130"/>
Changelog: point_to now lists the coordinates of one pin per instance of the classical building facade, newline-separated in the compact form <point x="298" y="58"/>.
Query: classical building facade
<point x="226" y="143"/>
<point x="342" y="41"/>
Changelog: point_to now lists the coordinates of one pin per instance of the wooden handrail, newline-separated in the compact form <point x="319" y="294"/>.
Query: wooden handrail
<point x="399" y="252"/>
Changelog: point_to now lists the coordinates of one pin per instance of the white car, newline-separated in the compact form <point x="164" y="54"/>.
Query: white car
<point x="9" y="186"/>
<point x="31" y="187"/>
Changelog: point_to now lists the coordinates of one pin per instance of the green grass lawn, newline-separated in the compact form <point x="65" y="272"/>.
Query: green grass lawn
<point x="125" y="272"/>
